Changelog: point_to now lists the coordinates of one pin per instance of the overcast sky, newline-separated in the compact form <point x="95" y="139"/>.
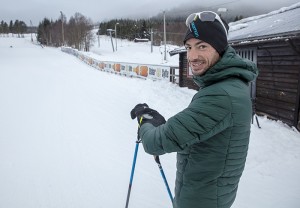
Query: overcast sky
<point x="101" y="10"/>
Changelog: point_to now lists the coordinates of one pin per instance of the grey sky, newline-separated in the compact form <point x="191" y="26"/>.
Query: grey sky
<point x="100" y="10"/>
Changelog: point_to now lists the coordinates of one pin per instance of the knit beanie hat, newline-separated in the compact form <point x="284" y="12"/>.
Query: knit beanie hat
<point x="211" y="32"/>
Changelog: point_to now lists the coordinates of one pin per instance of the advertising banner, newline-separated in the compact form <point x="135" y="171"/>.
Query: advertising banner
<point x="154" y="72"/>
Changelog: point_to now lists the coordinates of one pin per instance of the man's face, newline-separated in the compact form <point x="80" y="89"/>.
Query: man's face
<point x="201" y="56"/>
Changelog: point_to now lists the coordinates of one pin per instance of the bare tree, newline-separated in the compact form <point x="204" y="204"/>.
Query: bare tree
<point x="89" y="40"/>
<point x="79" y="33"/>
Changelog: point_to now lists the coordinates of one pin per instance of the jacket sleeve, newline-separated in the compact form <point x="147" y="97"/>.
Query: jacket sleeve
<point x="206" y="116"/>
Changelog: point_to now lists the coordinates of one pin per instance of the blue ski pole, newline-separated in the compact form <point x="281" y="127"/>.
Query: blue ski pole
<point x="156" y="158"/>
<point x="132" y="171"/>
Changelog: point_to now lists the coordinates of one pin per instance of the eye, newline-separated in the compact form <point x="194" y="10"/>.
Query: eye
<point x="202" y="46"/>
<point x="187" y="47"/>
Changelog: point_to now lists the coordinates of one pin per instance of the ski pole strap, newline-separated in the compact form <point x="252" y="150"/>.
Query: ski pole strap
<point x="138" y="139"/>
<point x="140" y="121"/>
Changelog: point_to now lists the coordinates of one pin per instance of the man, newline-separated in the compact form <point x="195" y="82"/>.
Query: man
<point x="211" y="135"/>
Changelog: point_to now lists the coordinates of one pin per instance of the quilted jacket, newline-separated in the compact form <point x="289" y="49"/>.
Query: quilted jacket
<point x="210" y="136"/>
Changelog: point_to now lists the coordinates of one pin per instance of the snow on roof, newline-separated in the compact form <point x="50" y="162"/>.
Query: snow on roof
<point x="177" y="51"/>
<point x="282" y="21"/>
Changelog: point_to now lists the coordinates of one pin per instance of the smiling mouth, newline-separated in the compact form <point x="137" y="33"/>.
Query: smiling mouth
<point x="196" y="64"/>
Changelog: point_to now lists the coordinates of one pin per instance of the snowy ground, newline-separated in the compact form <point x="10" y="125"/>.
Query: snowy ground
<point x="128" y="51"/>
<point x="67" y="140"/>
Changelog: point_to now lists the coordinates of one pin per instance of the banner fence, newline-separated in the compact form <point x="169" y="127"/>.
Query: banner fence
<point x="146" y="71"/>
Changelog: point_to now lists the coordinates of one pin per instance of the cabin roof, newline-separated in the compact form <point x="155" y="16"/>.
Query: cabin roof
<point x="281" y="22"/>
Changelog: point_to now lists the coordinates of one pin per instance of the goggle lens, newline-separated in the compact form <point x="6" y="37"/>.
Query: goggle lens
<point x="206" y="16"/>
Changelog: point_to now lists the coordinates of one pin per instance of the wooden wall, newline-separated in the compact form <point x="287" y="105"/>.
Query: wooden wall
<point x="277" y="86"/>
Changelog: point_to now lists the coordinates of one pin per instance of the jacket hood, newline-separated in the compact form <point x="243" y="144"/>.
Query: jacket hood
<point x="230" y="65"/>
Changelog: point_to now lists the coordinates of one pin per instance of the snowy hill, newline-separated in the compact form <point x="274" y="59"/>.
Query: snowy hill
<point x="67" y="140"/>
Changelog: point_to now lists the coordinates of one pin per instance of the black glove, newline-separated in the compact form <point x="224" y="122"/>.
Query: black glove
<point x="144" y="114"/>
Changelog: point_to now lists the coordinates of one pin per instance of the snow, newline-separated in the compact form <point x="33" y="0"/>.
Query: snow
<point x="278" y="22"/>
<point x="258" y="17"/>
<point x="126" y="53"/>
<point x="67" y="139"/>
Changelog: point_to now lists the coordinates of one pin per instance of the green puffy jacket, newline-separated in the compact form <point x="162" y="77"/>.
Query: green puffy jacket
<point x="211" y="135"/>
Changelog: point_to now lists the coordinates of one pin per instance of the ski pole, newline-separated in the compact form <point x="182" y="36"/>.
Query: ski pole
<point x="132" y="171"/>
<point x="156" y="158"/>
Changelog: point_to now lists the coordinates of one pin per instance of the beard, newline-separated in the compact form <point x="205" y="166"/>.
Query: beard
<point x="198" y="67"/>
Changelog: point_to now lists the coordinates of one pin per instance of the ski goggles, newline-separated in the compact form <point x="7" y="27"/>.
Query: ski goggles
<point x="206" y="16"/>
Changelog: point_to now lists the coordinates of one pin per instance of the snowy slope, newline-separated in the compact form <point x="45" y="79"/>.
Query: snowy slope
<point x="67" y="140"/>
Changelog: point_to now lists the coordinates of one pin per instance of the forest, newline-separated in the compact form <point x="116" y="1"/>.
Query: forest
<point x="77" y="31"/>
